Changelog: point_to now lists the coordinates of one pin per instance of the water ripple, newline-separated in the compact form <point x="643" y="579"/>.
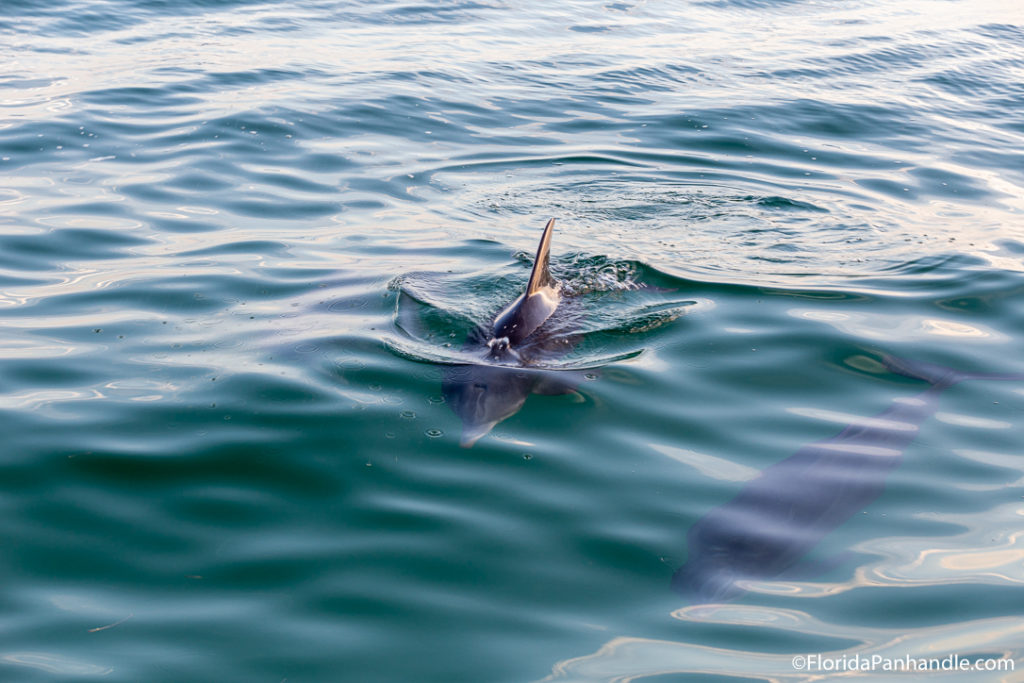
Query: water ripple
<point x="242" y="242"/>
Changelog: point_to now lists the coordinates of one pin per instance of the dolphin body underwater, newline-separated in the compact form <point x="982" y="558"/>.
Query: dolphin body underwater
<point x="780" y="515"/>
<point x="484" y="394"/>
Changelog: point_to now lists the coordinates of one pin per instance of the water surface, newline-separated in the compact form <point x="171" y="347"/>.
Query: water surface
<point x="240" y="242"/>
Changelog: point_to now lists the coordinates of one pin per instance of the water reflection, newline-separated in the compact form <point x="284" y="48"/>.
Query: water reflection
<point x="632" y="658"/>
<point x="900" y="327"/>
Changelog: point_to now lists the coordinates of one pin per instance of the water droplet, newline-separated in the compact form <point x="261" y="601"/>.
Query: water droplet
<point x="408" y="414"/>
<point x="434" y="433"/>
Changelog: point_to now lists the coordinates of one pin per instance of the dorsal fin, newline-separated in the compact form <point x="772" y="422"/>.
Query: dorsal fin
<point x="524" y="315"/>
<point x="540" y="277"/>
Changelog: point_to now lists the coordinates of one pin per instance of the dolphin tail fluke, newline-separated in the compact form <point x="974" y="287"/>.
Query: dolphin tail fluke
<point x="939" y="375"/>
<point x="540" y="277"/>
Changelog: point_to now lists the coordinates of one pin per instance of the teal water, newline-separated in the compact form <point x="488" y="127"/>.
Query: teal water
<point x="242" y="242"/>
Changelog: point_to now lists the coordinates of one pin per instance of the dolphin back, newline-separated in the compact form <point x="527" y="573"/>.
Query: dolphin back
<point x="781" y="514"/>
<point x="528" y="312"/>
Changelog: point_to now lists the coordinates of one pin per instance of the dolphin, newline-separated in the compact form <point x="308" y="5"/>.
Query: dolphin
<point x="485" y="393"/>
<point x="780" y="515"/>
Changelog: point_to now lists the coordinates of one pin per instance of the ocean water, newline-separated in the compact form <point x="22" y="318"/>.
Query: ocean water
<point x="243" y="242"/>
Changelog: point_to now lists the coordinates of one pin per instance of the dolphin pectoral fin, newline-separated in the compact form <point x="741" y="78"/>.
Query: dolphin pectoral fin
<point x="540" y="277"/>
<point x="472" y="434"/>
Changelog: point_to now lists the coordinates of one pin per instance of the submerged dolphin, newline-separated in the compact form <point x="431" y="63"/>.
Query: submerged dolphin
<point x="484" y="394"/>
<point x="783" y="513"/>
